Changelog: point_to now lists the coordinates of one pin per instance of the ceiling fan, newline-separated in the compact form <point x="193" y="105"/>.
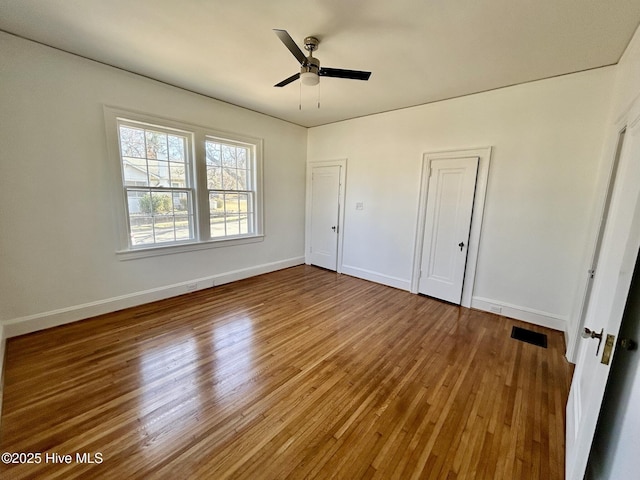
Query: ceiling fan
<point x="310" y="70"/>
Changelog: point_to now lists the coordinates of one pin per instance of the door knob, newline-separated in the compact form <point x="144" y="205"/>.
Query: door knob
<point x="461" y="245"/>
<point x="627" y="344"/>
<point x="588" y="333"/>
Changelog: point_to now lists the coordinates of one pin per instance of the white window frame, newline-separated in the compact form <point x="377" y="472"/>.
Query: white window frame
<point x="200" y="198"/>
<point x="229" y="191"/>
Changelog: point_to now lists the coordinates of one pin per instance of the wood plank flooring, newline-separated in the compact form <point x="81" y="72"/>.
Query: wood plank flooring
<point x="300" y="373"/>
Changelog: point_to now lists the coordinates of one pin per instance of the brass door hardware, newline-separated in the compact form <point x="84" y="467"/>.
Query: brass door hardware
<point x="588" y="333"/>
<point x="627" y="344"/>
<point x="608" y="348"/>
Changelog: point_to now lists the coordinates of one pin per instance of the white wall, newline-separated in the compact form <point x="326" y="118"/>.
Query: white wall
<point x="59" y="232"/>
<point x="547" y="140"/>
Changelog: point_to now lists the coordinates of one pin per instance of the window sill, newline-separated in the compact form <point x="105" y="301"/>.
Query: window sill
<point x="155" y="251"/>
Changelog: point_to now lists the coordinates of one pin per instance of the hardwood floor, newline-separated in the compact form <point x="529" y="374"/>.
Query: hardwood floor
<point x="300" y="373"/>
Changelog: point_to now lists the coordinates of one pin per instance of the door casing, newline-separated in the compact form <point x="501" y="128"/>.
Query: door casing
<point x="343" y="179"/>
<point x="484" y="155"/>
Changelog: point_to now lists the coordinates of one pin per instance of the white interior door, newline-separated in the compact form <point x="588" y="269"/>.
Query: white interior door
<point x="573" y="346"/>
<point x="612" y="281"/>
<point x="451" y="190"/>
<point x="325" y="211"/>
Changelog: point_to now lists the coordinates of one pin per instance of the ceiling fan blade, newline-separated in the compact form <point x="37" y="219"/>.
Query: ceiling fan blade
<point x="341" y="73"/>
<point x="287" y="81"/>
<point x="285" y="38"/>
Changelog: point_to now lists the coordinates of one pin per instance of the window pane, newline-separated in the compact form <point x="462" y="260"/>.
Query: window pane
<point x="178" y="172"/>
<point x="158" y="204"/>
<point x="243" y="183"/>
<point x="132" y="142"/>
<point x="164" y="228"/>
<point x="214" y="178"/>
<point x="229" y="179"/>
<point x="243" y="202"/>
<point x="218" y="226"/>
<point x="181" y="203"/>
<point x="176" y="148"/>
<point x="246" y="223"/>
<point x="153" y="170"/>
<point x="159" y="173"/>
<point x="156" y="145"/>
<point x="233" y="225"/>
<point x="237" y="205"/>
<point x="213" y="153"/>
<point x="133" y="201"/>
<point x="216" y="209"/>
<point x="183" y="227"/>
<point x="242" y="156"/>
<point x="229" y="156"/>
<point x="217" y="215"/>
<point x="216" y="203"/>
<point x="135" y="171"/>
<point x="141" y="228"/>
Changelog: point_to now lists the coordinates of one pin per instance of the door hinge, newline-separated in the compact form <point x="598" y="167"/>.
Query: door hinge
<point x="592" y="273"/>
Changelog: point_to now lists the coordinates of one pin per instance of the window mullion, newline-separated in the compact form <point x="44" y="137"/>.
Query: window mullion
<point x="201" y="197"/>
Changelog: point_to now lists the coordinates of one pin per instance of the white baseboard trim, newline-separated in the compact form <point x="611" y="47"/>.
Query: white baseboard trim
<point x="388" y="280"/>
<point x="54" y="318"/>
<point x="529" y="315"/>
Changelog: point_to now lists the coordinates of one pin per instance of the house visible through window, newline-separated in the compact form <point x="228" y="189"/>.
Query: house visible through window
<point x="176" y="193"/>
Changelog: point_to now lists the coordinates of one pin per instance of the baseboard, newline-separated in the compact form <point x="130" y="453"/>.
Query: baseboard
<point x="54" y="318"/>
<point x="390" y="281"/>
<point x="529" y="315"/>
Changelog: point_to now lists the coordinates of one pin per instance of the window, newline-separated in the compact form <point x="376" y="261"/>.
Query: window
<point x="158" y="186"/>
<point x="229" y="181"/>
<point x="184" y="186"/>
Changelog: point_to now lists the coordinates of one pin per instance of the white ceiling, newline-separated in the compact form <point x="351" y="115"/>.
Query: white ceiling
<point x="419" y="51"/>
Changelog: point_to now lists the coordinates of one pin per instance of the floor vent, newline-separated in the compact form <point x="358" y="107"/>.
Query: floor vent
<point x="529" y="336"/>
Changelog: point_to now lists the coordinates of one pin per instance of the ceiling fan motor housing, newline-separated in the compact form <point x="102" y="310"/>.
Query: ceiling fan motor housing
<point x="312" y="65"/>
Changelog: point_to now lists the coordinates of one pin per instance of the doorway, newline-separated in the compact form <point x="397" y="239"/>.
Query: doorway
<point x="452" y="193"/>
<point x="325" y="214"/>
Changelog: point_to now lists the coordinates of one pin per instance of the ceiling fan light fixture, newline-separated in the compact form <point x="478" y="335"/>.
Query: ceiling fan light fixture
<point x="309" y="78"/>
